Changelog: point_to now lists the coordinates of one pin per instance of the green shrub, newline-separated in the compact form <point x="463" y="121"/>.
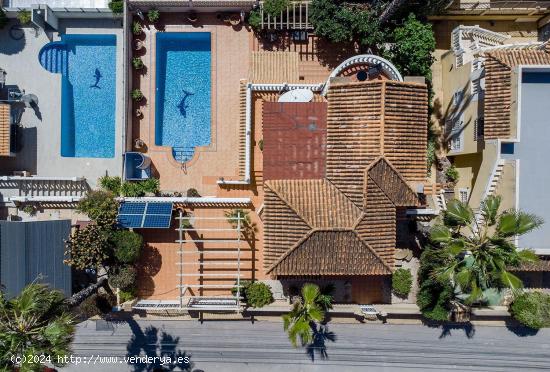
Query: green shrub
<point x="136" y="28"/>
<point x="88" y="248"/>
<point x="452" y="174"/>
<point x="97" y="304"/>
<point x="341" y="21"/>
<point x="111" y="184"/>
<point x="100" y="206"/>
<point x="402" y="282"/>
<point x="3" y="19"/>
<point x="193" y="193"/>
<point x="137" y="95"/>
<point x="255" y="19"/>
<point x="125" y="296"/>
<point x="116" y="6"/>
<point x="150" y="185"/>
<point x="412" y="51"/>
<point x="140" y="188"/>
<point x="244" y="286"/>
<point x="137" y="62"/>
<point x="433" y="297"/>
<point x="258" y="294"/>
<point x="123" y="277"/>
<point x="532" y="309"/>
<point x="24" y="16"/>
<point x="275" y="7"/>
<point x="153" y="15"/>
<point x="127" y="245"/>
<point x="29" y="209"/>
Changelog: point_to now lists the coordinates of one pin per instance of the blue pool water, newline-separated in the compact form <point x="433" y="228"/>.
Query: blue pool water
<point x="183" y="95"/>
<point x="88" y="93"/>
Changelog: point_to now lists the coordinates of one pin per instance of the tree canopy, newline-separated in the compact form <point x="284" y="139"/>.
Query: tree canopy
<point x="36" y="322"/>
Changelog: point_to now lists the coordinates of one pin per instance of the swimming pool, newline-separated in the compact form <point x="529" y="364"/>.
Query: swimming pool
<point x="183" y="92"/>
<point x="88" y="93"/>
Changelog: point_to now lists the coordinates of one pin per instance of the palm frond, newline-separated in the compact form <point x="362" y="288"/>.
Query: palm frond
<point x="489" y="208"/>
<point x="458" y="213"/>
<point x="510" y="280"/>
<point x="440" y="234"/>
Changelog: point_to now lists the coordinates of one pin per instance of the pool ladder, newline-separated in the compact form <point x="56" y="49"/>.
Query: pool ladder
<point x="183" y="154"/>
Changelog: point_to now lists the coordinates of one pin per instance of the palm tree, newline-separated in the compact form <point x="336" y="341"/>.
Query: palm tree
<point x="301" y="321"/>
<point x="36" y="322"/>
<point x="481" y="249"/>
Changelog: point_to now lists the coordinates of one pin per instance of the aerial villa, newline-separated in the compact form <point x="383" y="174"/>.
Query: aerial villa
<point x="277" y="160"/>
<point x="496" y="125"/>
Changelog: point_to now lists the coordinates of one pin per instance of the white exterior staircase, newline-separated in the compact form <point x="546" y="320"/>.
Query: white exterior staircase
<point x="491" y="187"/>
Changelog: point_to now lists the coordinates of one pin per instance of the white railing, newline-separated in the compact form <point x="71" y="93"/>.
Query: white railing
<point x="295" y="17"/>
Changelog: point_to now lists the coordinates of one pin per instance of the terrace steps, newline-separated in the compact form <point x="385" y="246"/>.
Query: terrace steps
<point x="54" y="57"/>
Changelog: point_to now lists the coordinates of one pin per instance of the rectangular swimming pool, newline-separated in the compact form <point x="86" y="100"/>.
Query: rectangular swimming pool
<point x="88" y="93"/>
<point x="183" y="92"/>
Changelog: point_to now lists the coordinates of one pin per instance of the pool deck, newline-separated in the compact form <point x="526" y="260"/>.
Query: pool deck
<point x="41" y="136"/>
<point x="230" y="62"/>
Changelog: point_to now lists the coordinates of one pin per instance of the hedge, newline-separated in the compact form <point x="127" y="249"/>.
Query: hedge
<point x="532" y="309"/>
<point x="402" y="282"/>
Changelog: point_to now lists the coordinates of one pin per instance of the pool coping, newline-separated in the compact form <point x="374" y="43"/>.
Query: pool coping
<point x="152" y="42"/>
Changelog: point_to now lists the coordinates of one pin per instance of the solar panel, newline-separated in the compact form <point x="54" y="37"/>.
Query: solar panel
<point x="132" y="208"/>
<point x="159" y="208"/>
<point x="130" y="221"/>
<point x="145" y="215"/>
<point x="157" y="221"/>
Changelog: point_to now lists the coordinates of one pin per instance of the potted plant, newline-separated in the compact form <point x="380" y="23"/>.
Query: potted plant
<point x="138" y="44"/>
<point x="24" y="16"/>
<point x="153" y="15"/>
<point x="137" y="63"/>
<point x="136" y="28"/>
<point x="137" y="95"/>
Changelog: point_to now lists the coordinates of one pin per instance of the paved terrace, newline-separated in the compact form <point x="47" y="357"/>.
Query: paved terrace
<point x="41" y="134"/>
<point x="232" y="63"/>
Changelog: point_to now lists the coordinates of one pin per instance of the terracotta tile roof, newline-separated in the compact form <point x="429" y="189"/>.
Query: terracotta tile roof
<point x="345" y="224"/>
<point x="498" y="86"/>
<point x="331" y="253"/>
<point x="543" y="264"/>
<point x="318" y="202"/>
<point x="294" y="137"/>
<point x="5" y="133"/>
<point x="274" y="67"/>
<point x="367" y="120"/>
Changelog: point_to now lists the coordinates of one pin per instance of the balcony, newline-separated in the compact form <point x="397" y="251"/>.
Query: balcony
<point x="499" y="7"/>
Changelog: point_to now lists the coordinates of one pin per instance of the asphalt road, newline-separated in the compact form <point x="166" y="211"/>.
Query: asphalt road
<point x="263" y="346"/>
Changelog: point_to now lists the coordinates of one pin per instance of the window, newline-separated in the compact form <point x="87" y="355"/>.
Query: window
<point x="464" y="195"/>
<point x="455" y="144"/>
<point x="507" y="148"/>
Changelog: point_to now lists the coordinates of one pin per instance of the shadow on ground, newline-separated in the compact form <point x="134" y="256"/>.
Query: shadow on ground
<point x="161" y="349"/>
<point x="321" y="335"/>
<point x="447" y="328"/>
<point x="520" y="330"/>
